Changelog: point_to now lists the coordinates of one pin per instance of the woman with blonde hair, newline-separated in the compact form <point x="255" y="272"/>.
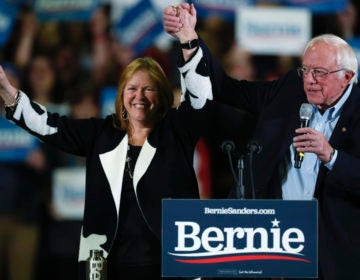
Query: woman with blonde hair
<point x="134" y="158"/>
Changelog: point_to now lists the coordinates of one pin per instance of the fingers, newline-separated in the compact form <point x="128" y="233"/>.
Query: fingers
<point x="180" y="21"/>
<point x="176" y="10"/>
<point x="305" y="144"/>
<point x="186" y="6"/>
<point x="313" y="142"/>
<point x="192" y="10"/>
<point x="305" y="139"/>
<point x="169" y="11"/>
<point x="171" y="19"/>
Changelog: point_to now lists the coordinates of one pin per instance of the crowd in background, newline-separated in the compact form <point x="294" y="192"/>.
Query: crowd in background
<point x="66" y="66"/>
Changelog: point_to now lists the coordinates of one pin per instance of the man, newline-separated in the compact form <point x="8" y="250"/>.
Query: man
<point x="329" y="170"/>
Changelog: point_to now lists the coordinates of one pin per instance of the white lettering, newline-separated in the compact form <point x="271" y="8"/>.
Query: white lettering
<point x="214" y="239"/>
<point x="207" y="237"/>
<point x="62" y="5"/>
<point x="195" y="229"/>
<point x="230" y="234"/>
<point x="298" y="238"/>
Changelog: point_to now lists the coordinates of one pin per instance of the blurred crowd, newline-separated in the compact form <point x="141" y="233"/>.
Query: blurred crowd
<point x="66" y="66"/>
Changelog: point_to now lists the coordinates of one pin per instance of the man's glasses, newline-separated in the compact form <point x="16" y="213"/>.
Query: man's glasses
<point x="316" y="72"/>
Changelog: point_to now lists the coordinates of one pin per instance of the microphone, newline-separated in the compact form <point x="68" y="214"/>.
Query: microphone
<point x="305" y="112"/>
<point x="228" y="146"/>
<point x="254" y="147"/>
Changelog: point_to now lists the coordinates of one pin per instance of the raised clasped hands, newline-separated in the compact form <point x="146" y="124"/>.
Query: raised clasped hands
<point x="180" y="21"/>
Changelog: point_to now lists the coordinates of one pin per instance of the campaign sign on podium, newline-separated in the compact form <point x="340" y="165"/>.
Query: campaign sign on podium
<point x="239" y="238"/>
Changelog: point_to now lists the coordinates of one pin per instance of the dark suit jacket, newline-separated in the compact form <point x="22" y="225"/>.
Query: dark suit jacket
<point x="276" y="105"/>
<point x="164" y="168"/>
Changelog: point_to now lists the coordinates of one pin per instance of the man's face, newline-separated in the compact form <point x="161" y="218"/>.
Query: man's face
<point x="322" y="86"/>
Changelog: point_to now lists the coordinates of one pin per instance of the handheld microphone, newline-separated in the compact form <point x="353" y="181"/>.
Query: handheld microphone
<point x="306" y="112"/>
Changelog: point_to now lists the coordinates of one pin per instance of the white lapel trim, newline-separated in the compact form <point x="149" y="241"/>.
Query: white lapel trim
<point x="145" y="157"/>
<point x="113" y="163"/>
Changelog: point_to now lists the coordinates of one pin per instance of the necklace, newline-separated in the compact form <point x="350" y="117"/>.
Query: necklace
<point x="128" y="163"/>
<point x="131" y="157"/>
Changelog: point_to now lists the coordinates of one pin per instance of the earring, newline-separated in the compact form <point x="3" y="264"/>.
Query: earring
<point x="124" y="114"/>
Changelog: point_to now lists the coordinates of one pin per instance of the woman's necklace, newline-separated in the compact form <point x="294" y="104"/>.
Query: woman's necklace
<point x="129" y="163"/>
<point x="131" y="157"/>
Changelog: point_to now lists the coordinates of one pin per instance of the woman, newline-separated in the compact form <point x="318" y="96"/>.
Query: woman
<point x="134" y="159"/>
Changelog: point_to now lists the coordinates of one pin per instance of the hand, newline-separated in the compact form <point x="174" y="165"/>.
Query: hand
<point x="172" y="22"/>
<point x="7" y="92"/>
<point x="312" y="141"/>
<point x="180" y="21"/>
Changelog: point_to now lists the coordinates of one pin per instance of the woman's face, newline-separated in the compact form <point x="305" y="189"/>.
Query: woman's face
<point x="141" y="99"/>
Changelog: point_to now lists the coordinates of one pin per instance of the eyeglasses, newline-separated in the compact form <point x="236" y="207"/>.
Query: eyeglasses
<point x="316" y="72"/>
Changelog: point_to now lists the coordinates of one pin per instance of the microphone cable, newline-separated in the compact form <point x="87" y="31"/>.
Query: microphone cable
<point x="252" y="148"/>
<point x="228" y="147"/>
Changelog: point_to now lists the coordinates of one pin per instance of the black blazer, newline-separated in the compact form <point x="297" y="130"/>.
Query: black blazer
<point x="276" y="106"/>
<point x="164" y="168"/>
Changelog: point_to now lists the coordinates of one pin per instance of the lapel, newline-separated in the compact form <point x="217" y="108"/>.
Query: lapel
<point x="113" y="163"/>
<point x="348" y="114"/>
<point x="145" y="157"/>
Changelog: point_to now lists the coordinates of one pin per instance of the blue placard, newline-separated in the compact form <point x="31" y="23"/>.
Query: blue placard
<point x="8" y="13"/>
<point x="222" y="8"/>
<point x="319" y="6"/>
<point x="107" y="100"/>
<point x="15" y="143"/>
<point x="139" y="26"/>
<point x="66" y="10"/>
<point x="239" y="238"/>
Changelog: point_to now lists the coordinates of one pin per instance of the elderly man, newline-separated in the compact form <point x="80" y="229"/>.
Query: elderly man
<point x="319" y="160"/>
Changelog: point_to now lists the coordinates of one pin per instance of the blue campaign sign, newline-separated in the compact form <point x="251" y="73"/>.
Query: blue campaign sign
<point x="239" y="238"/>
<point x="139" y="26"/>
<point x="107" y="100"/>
<point x="8" y="14"/>
<point x="15" y="142"/>
<point x="319" y="7"/>
<point x="74" y="10"/>
<point x="223" y="8"/>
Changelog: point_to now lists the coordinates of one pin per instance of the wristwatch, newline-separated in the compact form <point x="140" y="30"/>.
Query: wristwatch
<point x="190" y="44"/>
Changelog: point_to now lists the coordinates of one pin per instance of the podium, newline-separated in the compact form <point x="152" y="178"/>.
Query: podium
<point x="239" y="238"/>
